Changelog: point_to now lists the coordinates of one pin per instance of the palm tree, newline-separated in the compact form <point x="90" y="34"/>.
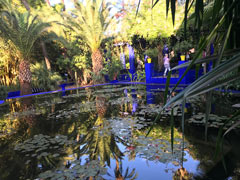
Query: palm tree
<point x="91" y="21"/>
<point x="21" y="31"/>
<point x="44" y="50"/>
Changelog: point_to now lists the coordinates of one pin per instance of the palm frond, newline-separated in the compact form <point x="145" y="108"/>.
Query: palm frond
<point x="90" y="21"/>
<point x="22" y="30"/>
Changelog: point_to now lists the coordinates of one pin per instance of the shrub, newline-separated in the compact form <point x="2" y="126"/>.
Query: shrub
<point x="42" y="78"/>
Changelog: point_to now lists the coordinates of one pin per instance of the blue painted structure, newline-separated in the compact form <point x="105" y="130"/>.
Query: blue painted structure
<point x="123" y="61"/>
<point x="63" y="86"/>
<point x="13" y="94"/>
<point x="132" y="69"/>
<point x="188" y="79"/>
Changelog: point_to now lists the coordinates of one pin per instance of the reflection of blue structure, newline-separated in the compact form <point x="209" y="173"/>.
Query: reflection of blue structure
<point x="153" y="91"/>
<point x="134" y="101"/>
<point x="150" y="95"/>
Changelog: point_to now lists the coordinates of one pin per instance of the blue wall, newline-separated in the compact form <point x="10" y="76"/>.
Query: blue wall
<point x="188" y="79"/>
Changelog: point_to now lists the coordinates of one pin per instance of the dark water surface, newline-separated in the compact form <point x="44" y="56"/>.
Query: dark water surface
<point x="99" y="133"/>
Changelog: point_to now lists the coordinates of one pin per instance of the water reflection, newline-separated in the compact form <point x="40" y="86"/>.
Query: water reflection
<point x="67" y="135"/>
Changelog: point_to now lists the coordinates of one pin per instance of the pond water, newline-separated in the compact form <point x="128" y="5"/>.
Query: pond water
<point x="100" y="133"/>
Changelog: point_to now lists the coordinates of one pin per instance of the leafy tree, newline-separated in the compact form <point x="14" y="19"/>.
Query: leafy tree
<point x="150" y="23"/>
<point x="91" y="20"/>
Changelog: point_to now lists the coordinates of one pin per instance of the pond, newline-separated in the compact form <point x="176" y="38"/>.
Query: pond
<point x="100" y="133"/>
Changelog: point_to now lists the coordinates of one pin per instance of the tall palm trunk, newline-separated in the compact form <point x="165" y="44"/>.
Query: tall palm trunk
<point x="25" y="77"/>
<point x="48" y="64"/>
<point x="160" y="58"/>
<point x="97" y="62"/>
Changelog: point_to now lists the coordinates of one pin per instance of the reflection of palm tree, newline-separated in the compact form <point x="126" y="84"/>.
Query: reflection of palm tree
<point x="182" y="174"/>
<point x="27" y="107"/>
<point x="118" y="171"/>
<point x="101" y="106"/>
<point x="100" y="142"/>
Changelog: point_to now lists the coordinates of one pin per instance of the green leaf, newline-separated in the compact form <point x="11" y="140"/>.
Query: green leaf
<point x="185" y="19"/>
<point x="167" y="87"/>
<point x="167" y="7"/>
<point x="224" y="44"/>
<point x="198" y="14"/>
<point x="183" y="113"/>
<point x="139" y="2"/>
<point x="216" y="9"/>
<point x="154" y="3"/>
<point x="173" y="9"/>
<point x="172" y="130"/>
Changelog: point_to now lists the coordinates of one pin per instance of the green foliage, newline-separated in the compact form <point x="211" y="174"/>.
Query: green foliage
<point x="81" y="61"/>
<point x="3" y="92"/>
<point x="64" y="62"/>
<point x="8" y="64"/>
<point x="182" y="46"/>
<point x="139" y="76"/>
<point x="153" y="54"/>
<point x="42" y="78"/>
<point x="112" y="67"/>
<point x="150" y="22"/>
<point x="36" y="4"/>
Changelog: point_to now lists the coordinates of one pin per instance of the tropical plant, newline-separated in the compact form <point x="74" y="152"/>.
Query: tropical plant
<point x="8" y="65"/>
<point x="90" y="21"/>
<point x="23" y="31"/>
<point x="112" y="67"/>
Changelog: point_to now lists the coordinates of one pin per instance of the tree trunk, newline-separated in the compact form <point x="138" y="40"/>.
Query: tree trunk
<point x="97" y="63"/>
<point x="26" y="5"/>
<point x="160" y="58"/>
<point x="44" y="50"/>
<point x="25" y="77"/>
